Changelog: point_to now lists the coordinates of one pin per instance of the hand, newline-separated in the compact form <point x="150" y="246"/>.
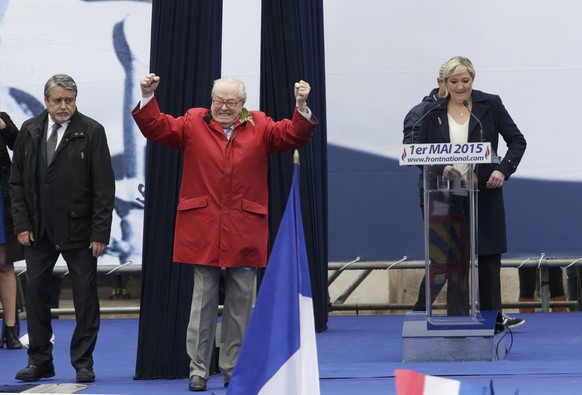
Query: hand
<point x="2" y="124"/>
<point x="496" y="180"/>
<point x="25" y="238"/>
<point x="148" y="84"/>
<point x="301" y="91"/>
<point x="450" y="173"/>
<point x="98" y="248"/>
<point x="475" y="181"/>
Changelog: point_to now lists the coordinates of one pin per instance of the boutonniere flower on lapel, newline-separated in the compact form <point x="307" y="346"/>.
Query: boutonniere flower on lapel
<point x="246" y="116"/>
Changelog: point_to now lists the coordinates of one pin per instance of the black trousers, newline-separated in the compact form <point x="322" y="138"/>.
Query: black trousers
<point x="82" y="266"/>
<point x="528" y="277"/>
<point x="489" y="285"/>
<point x="490" y="282"/>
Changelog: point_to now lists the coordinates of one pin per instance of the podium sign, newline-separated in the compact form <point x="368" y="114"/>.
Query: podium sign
<point x="446" y="154"/>
<point x="460" y="332"/>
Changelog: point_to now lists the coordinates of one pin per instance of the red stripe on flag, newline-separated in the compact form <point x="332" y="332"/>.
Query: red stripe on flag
<point x="409" y="382"/>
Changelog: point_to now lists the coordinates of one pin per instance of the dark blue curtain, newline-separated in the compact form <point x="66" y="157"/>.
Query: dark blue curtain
<point x="186" y="54"/>
<point x="292" y="49"/>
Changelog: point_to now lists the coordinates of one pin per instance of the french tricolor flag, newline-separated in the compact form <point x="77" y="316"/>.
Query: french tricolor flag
<point x="409" y="382"/>
<point x="278" y="355"/>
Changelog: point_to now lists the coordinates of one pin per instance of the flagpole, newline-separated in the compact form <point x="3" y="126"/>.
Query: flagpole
<point x="296" y="157"/>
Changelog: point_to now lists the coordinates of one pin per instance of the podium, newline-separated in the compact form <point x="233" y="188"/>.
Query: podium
<point x="461" y="332"/>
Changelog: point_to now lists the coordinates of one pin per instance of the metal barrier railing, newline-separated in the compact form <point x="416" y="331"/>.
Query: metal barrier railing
<point x="542" y="263"/>
<point x="62" y="270"/>
<point x="102" y="310"/>
<point x="337" y="268"/>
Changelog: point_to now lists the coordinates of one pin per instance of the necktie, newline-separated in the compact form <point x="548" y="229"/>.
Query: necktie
<point x="228" y="131"/>
<point x="51" y="143"/>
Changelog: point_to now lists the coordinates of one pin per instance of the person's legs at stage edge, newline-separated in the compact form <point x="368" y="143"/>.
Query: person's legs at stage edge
<point x="40" y="262"/>
<point x="82" y="267"/>
<point x="238" y="305"/>
<point x="527" y="287"/>
<point x="202" y="324"/>
<point x="490" y="288"/>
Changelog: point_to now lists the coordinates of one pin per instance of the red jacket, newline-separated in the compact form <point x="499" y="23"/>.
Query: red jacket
<point x="222" y="217"/>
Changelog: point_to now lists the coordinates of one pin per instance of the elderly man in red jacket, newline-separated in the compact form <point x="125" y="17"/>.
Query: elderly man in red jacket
<point x="222" y="216"/>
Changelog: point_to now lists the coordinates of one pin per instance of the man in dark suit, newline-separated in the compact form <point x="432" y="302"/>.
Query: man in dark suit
<point x="62" y="189"/>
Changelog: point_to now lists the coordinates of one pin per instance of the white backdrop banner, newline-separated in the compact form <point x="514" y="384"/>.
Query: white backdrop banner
<point x="376" y="70"/>
<point x="104" y="46"/>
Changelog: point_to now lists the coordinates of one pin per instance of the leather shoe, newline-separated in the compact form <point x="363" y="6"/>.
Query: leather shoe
<point x="197" y="383"/>
<point x="36" y="372"/>
<point x="10" y="337"/>
<point x="85" y="375"/>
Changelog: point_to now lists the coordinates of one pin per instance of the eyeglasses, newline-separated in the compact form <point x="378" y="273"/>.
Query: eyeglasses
<point x="218" y="103"/>
<point x="59" y="99"/>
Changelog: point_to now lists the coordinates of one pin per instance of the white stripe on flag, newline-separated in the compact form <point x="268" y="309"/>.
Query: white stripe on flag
<point x="300" y="373"/>
<point x="440" y="386"/>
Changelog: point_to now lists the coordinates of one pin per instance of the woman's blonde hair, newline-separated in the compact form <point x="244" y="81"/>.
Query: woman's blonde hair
<point x="457" y="65"/>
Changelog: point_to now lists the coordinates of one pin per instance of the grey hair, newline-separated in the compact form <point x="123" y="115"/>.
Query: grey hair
<point x="442" y="70"/>
<point x="232" y="81"/>
<point x="62" y="80"/>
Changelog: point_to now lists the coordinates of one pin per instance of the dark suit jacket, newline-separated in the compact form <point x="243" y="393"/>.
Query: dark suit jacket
<point x="81" y="177"/>
<point x="496" y="121"/>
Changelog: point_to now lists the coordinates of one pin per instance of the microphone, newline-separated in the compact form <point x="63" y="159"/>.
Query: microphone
<point x="495" y="158"/>
<point x="466" y="104"/>
<point x="421" y="118"/>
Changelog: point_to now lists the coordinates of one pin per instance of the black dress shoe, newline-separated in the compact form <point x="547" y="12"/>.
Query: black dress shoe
<point x="85" y="375"/>
<point x="36" y="372"/>
<point x="197" y="383"/>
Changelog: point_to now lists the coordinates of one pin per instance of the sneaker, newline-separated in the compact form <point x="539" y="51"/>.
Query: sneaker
<point x="511" y="322"/>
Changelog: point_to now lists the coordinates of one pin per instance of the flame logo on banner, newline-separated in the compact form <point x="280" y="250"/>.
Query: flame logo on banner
<point x="404" y="154"/>
<point x="487" y="153"/>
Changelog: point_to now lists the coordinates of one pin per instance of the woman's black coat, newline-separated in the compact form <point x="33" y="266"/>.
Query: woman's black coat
<point x="496" y="121"/>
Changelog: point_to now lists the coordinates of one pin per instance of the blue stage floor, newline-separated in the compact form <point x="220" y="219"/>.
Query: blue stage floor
<point x="357" y="355"/>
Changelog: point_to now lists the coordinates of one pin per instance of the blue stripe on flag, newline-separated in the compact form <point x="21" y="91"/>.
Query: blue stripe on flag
<point x="470" y="389"/>
<point x="273" y="334"/>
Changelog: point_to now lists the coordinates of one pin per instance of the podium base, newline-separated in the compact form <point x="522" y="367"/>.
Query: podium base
<point x="446" y="338"/>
